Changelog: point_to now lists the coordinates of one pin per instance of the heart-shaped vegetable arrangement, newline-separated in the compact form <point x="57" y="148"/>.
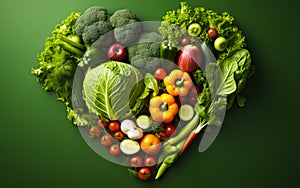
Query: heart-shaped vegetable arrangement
<point x="140" y="92"/>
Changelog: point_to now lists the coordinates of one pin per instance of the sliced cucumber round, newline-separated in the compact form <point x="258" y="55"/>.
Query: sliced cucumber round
<point x="129" y="147"/>
<point x="186" y="112"/>
<point x="194" y="29"/>
<point x="143" y="121"/>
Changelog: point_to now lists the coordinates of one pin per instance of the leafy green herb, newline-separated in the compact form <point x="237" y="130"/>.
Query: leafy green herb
<point x="221" y="78"/>
<point x="243" y="72"/>
<point x="151" y="83"/>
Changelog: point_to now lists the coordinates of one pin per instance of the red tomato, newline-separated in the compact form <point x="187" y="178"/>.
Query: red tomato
<point x="114" y="126"/>
<point x="144" y="174"/>
<point x="102" y="123"/>
<point x="95" y="131"/>
<point x="150" y="144"/>
<point x="150" y="162"/>
<point x="119" y="136"/>
<point x="160" y="73"/>
<point x="106" y="140"/>
<point x="114" y="150"/>
<point x="185" y="41"/>
<point x="136" y="161"/>
<point x="170" y="130"/>
<point x="212" y="33"/>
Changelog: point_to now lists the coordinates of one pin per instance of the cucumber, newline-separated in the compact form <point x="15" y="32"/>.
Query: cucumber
<point x="186" y="112"/>
<point x="129" y="147"/>
<point x="194" y="29"/>
<point x="143" y="121"/>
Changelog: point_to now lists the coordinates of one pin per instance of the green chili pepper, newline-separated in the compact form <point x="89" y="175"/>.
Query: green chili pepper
<point x="70" y="48"/>
<point x="167" y="51"/>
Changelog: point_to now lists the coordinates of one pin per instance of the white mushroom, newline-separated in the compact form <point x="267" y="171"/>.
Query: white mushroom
<point x="129" y="128"/>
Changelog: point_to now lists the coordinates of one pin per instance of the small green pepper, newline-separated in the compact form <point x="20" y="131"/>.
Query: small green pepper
<point x="167" y="51"/>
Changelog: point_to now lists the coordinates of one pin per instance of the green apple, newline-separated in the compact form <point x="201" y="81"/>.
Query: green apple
<point x="220" y="44"/>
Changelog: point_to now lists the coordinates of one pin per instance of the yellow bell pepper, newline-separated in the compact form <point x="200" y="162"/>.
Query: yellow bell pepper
<point x="163" y="108"/>
<point x="178" y="83"/>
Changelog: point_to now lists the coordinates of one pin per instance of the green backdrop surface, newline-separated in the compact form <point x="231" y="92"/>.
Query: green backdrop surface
<point x="258" y="145"/>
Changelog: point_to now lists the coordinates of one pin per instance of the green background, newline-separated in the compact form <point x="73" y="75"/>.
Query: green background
<point x="257" y="145"/>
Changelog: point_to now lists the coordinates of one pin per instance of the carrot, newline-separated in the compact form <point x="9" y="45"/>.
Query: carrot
<point x="191" y="137"/>
<point x="189" y="140"/>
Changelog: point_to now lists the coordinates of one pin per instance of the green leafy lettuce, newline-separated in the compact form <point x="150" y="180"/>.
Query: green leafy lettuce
<point x="57" y="67"/>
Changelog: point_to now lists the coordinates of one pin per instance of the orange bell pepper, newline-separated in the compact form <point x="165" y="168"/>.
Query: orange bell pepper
<point x="178" y="83"/>
<point x="163" y="108"/>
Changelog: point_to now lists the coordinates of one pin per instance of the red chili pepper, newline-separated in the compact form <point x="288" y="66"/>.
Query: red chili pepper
<point x="191" y="137"/>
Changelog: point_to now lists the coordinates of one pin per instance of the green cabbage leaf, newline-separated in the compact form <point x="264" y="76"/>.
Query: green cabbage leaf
<point x="112" y="89"/>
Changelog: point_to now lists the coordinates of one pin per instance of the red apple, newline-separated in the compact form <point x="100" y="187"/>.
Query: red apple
<point x="190" y="58"/>
<point x="116" y="52"/>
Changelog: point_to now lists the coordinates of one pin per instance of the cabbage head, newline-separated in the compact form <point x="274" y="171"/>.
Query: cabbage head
<point x="111" y="90"/>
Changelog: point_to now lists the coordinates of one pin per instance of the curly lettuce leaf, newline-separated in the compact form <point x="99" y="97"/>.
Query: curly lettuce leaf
<point x="57" y="66"/>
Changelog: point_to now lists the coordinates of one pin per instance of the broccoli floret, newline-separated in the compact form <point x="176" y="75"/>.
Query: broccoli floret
<point x="92" y="24"/>
<point x="127" y="26"/>
<point x="145" y="53"/>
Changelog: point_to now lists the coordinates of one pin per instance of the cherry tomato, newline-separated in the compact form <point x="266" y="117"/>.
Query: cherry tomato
<point x="193" y="100"/>
<point x="163" y="136"/>
<point x="150" y="162"/>
<point x="119" y="136"/>
<point x="212" y="33"/>
<point x="114" y="150"/>
<point x="95" y="131"/>
<point x="185" y="41"/>
<point x="170" y="130"/>
<point x="160" y="73"/>
<point x="183" y="99"/>
<point x="144" y="174"/>
<point x="193" y="95"/>
<point x="114" y="126"/>
<point x="106" y="140"/>
<point x="102" y="123"/>
<point x="136" y="161"/>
